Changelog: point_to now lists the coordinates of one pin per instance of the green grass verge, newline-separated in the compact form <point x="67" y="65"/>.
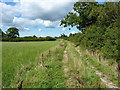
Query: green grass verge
<point x="110" y="71"/>
<point x="105" y="66"/>
<point x="80" y="71"/>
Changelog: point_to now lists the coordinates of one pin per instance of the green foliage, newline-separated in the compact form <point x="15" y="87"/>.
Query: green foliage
<point x="99" y="26"/>
<point x="75" y="38"/>
<point x="93" y="38"/>
<point x="49" y="38"/>
<point x="110" y="48"/>
<point x="12" y="32"/>
<point x="63" y="36"/>
<point x="80" y="18"/>
<point x="28" y="38"/>
<point x="2" y="34"/>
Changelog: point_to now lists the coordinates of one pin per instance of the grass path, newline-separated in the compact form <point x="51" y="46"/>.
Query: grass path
<point x="74" y="70"/>
<point x="104" y="78"/>
<point x="70" y="81"/>
<point x="80" y="73"/>
<point x="65" y="60"/>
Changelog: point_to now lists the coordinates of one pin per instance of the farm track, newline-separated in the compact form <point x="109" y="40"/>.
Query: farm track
<point x="65" y="60"/>
<point x="104" y="78"/>
<point x="70" y="68"/>
<point x="70" y="80"/>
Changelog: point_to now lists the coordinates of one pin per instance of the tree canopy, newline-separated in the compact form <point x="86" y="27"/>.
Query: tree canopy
<point x="12" y="32"/>
<point x="99" y="26"/>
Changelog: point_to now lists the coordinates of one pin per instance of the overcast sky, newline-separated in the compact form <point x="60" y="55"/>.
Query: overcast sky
<point x="36" y="17"/>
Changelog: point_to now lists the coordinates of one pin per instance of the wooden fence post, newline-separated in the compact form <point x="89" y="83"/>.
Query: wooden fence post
<point x="49" y="51"/>
<point x="42" y="59"/>
<point x="20" y="85"/>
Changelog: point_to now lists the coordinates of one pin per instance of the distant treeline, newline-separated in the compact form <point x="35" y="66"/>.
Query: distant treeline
<point x="12" y="35"/>
<point x="99" y="26"/>
<point x="18" y="39"/>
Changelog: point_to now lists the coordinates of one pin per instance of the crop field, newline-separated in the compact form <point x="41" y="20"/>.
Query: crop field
<point x="18" y="54"/>
<point x="54" y="64"/>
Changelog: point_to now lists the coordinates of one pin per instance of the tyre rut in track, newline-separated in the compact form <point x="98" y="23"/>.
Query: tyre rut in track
<point x="104" y="78"/>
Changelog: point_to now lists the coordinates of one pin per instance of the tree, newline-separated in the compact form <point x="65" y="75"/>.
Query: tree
<point x="12" y="32"/>
<point x="80" y="18"/>
<point x="2" y="34"/>
<point x="34" y="36"/>
<point x="99" y="25"/>
<point x="63" y="36"/>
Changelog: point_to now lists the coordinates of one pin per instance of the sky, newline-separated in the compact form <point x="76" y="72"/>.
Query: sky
<point x="36" y="17"/>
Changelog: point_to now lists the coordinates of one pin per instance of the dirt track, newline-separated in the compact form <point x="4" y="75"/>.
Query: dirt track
<point x="103" y="78"/>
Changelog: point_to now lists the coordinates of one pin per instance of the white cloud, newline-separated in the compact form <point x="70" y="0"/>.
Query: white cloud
<point x="45" y="9"/>
<point x="48" y="24"/>
<point x="8" y="12"/>
<point x="73" y="32"/>
<point x="59" y="24"/>
<point x="63" y="29"/>
<point x="34" y="13"/>
<point x="16" y="0"/>
<point x="48" y="0"/>
<point x="26" y="29"/>
<point x="22" y="22"/>
<point x="1" y="25"/>
<point x="42" y="36"/>
<point x="40" y="30"/>
<point x="6" y="0"/>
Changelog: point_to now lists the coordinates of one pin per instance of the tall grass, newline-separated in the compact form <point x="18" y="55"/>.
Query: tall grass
<point x="18" y="54"/>
<point x="79" y="71"/>
<point x="46" y="73"/>
<point x="106" y="66"/>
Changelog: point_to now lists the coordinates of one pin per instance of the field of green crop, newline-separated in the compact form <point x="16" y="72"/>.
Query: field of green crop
<point x="57" y="64"/>
<point x="18" y="54"/>
<point x="46" y="73"/>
